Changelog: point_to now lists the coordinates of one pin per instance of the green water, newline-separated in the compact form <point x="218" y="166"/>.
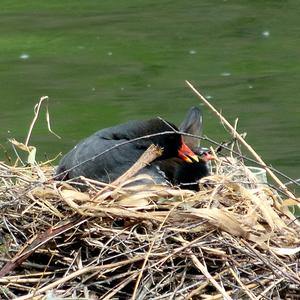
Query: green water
<point x="105" y="62"/>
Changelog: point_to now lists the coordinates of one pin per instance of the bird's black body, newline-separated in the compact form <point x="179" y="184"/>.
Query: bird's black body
<point x="180" y="173"/>
<point x="110" y="152"/>
<point x="188" y="175"/>
<point x="107" y="154"/>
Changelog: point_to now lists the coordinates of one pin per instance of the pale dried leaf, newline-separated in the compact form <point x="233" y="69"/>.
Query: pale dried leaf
<point x="31" y="156"/>
<point x="290" y="202"/>
<point x="74" y="195"/>
<point x="266" y="210"/>
<point x="285" y="251"/>
<point x="21" y="146"/>
<point x="44" y="192"/>
<point x="133" y="202"/>
<point x="223" y="220"/>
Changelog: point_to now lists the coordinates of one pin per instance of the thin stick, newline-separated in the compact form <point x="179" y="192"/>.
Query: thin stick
<point x="245" y="288"/>
<point x="203" y="285"/>
<point x="146" y="158"/>
<point x="205" y="272"/>
<point x="119" y="287"/>
<point x="274" y="283"/>
<point x="36" y="114"/>
<point x="240" y="138"/>
<point x="148" y="255"/>
<point x="78" y="273"/>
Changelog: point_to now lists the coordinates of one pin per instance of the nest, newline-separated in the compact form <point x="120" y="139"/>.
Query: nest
<point x="234" y="239"/>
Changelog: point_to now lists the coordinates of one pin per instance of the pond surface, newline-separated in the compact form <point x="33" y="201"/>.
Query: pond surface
<point x="106" y="62"/>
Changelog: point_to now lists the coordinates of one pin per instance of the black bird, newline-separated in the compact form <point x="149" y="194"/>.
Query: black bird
<point x="187" y="176"/>
<point x="107" y="154"/>
<point x="179" y="172"/>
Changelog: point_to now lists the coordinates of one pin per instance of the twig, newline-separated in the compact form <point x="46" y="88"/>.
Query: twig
<point x="240" y="138"/>
<point x="205" y="272"/>
<point x="116" y="289"/>
<point x="36" y="114"/>
<point x="245" y="288"/>
<point x="201" y="285"/>
<point x="147" y="157"/>
<point x="274" y="283"/>
<point x="35" y="243"/>
<point x="77" y="274"/>
<point x="148" y="254"/>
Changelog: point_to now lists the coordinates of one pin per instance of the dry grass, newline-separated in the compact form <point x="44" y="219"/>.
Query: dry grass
<point x="234" y="239"/>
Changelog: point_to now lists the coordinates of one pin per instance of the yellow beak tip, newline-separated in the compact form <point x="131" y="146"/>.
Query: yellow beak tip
<point x="191" y="159"/>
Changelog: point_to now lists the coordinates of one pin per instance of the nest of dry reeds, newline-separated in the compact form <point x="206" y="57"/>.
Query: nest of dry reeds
<point x="234" y="239"/>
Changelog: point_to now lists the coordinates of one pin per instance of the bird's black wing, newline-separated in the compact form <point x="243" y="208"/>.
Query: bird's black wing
<point x="108" y="153"/>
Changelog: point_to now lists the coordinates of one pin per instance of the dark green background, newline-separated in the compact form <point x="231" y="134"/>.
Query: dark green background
<point x="105" y="62"/>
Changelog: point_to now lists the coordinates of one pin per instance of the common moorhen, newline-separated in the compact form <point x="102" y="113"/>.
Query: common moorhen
<point x="178" y="172"/>
<point x="107" y="154"/>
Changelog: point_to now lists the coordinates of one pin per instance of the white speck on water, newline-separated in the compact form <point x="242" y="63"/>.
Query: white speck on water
<point x="24" y="56"/>
<point x="109" y="53"/>
<point x="250" y="86"/>
<point x="266" y="33"/>
<point x="225" y="74"/>
<point x="8" y="131"/>
<point x="122" y="88"/>
<point x="192" y="51"/>
<point x="81" y="47"/>
<point x="209" y="97"/>
<point x="148" y="85"/>
<point x="93" y="89"/>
